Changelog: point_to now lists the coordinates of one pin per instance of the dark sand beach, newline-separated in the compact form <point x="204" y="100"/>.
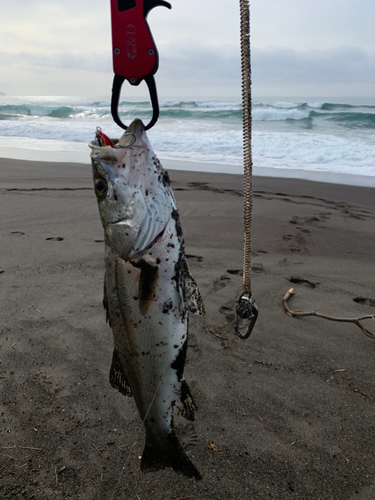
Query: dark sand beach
<point x="286" y="414"/>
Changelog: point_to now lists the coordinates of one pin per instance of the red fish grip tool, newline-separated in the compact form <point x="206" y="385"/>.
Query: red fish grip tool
<point x="135" y="57"/>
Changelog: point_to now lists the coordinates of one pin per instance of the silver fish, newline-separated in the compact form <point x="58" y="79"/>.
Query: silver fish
<point x="148" y="291"/>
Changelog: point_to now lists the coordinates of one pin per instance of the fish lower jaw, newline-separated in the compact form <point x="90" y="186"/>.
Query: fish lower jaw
<point x="120" y="222"/>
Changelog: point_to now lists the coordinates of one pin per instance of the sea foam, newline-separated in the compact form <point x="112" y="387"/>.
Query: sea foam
<point x="311" y="134"/>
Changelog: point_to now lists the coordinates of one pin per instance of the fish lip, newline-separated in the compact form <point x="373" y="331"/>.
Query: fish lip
<point x="119" y="221"/>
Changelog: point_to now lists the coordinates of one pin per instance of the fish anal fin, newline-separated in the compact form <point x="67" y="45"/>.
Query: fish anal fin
<point x="188" y="403"/>
<point x="172" y="454"/>
<point x="117" y="378"/>
<point x="188" y="406"/>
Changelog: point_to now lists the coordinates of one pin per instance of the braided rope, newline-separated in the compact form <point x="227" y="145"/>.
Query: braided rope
<point x="247" y="123"/>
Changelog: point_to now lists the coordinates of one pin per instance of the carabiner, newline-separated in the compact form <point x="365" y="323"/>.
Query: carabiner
<point x="246" y="311"/>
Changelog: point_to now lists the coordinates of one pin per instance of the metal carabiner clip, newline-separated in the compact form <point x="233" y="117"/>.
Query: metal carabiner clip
<point x="135" y="57"/>
<point x="246" y="312"/>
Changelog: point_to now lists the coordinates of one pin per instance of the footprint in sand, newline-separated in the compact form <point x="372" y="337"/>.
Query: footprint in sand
<point x="311" y="221"/>
<point x="301" y="281"/>
<point x="365" y="302"/>
<point x="228" y="313"/>
<point x="235" y="272"/>
<point x="298" y="241"/>
<point x="198" y="258"/>
<point x="257" y="268"/>
<point x="220" y="283"/>
<point x="55" y="238"/>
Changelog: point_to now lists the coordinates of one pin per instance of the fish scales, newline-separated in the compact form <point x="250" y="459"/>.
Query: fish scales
<point x="148" y="291"/>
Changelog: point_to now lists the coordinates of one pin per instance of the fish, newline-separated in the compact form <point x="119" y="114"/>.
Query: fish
<point x="148" y="290"/>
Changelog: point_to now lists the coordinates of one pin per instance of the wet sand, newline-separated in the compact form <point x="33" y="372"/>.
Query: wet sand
<point x="286" y="414"/>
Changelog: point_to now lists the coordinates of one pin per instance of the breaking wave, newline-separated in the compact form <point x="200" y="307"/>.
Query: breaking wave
<point x="312" y="135"/>
<point x="345" y="115"/>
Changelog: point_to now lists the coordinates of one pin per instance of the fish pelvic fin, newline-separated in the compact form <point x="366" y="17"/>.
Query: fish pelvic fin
<point x="172" y="455"/>
<point x="106" y="303"/>
<point x="147" y="285"/>
<point x="117" y="378"/>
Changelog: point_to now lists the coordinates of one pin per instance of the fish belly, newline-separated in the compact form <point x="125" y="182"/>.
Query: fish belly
<point x="150" y="338"/>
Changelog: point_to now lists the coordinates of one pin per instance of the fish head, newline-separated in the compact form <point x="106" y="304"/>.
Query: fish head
<point x="134" y="199"/>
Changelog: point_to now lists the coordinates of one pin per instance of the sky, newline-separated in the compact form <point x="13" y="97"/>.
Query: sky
<point x="299" y="48"/>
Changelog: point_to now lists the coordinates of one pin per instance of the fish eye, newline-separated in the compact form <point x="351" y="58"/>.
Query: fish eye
<point x="101" y="187"/>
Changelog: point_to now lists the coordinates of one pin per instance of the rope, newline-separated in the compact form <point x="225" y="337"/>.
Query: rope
<point x="248" y="162"/>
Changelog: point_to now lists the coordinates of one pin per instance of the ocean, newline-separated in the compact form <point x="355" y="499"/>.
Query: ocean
<point x="329" y="135"/>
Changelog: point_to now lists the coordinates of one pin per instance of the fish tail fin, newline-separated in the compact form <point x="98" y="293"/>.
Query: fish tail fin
<point x="171" y="455"/>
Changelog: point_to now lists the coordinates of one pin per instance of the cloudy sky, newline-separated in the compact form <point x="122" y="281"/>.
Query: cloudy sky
<point x="299" y="48"/>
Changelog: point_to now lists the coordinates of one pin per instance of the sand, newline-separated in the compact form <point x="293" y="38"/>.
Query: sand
<point x="286" y="414"/>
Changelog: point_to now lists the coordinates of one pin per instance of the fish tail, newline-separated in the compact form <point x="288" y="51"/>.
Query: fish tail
<point x="171" y="455"/>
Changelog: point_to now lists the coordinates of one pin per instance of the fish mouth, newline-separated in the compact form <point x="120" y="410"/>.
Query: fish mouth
<point x="120" y="221"/>
<point x="136" y="127"/>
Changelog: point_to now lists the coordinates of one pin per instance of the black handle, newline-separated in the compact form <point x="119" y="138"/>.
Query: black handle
<point x="116" y="90"/>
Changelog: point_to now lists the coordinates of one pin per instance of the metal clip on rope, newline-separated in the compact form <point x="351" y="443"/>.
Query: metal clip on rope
<point x="246" y="316"/>
<point x="135" y="57"/>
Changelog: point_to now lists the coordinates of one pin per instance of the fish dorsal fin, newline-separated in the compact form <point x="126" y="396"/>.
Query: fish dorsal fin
<point x="189" y="289"/>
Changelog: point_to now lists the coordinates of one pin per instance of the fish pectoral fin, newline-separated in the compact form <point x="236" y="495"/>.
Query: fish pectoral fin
<point x="117" y="378"/>
<point x="170" y="454"/>
<point x="150" y="263"/>
<point x="190" y="291"/>
<point x="147" y="284"/>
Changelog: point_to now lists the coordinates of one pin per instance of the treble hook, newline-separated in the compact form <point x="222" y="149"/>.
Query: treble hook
<point x="246" y="311"/>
